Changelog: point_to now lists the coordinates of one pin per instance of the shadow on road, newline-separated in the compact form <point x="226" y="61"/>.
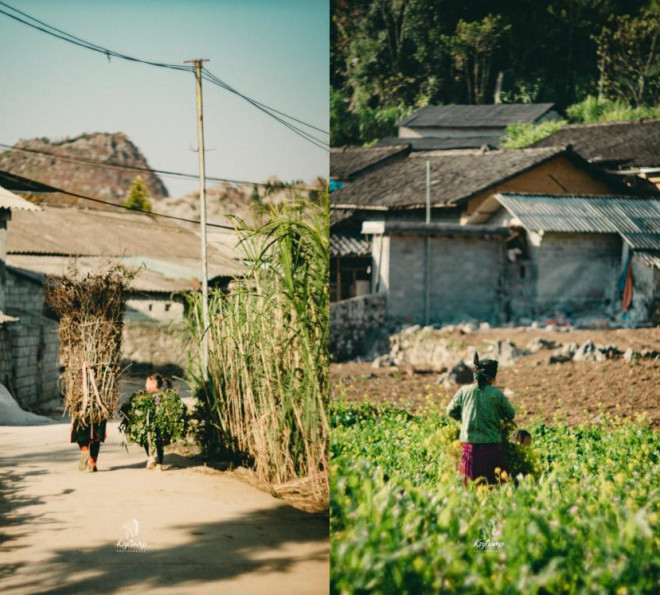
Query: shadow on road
<point x="253" y="543"/>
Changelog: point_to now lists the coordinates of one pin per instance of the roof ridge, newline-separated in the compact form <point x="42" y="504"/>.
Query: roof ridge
<point x="639" y="121"/>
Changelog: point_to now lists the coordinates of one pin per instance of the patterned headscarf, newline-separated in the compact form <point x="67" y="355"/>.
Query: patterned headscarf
<point x="486" y="368"/>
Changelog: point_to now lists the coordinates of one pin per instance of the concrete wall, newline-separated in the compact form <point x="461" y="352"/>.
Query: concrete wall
<point x="429" y="132"/>
<point x="646" y="291"/>
<point x="466" y="278"/>
<point x="354" y="325"/>
<point x="154" y="308"/>
<point x="579" y="271"/>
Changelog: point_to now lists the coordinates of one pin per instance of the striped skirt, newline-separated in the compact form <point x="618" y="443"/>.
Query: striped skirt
<point x="480" y="460"/>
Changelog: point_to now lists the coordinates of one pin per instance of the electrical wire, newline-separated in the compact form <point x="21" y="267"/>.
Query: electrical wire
<point x="118" y="166"/>
<point x="210" y="77"/>
<point x="162" y="215"/>
<point x="68" y="37"/>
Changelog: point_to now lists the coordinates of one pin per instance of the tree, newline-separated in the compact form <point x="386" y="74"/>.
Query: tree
<point x="629" y="58"/>
<point x="472" y="47"/>
<point x="138" y="196"/>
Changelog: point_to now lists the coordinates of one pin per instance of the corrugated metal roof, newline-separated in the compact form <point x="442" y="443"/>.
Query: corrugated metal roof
<point x="636" y="220"/>
<point x="344" y="245"/>
<point x="69" y="231"/>
<point x="9" y="200"/>
<point x="153" y="276"/>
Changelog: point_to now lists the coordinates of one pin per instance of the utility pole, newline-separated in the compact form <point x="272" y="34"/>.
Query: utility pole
<point x="202" y="210"/>
<point x="427" y="246"/>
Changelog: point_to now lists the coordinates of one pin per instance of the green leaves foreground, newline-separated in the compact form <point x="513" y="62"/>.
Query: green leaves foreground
<point x="147" y="416"/>
<point x="402" y="521"/>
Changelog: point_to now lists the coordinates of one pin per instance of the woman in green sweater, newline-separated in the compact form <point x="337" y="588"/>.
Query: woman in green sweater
<point x="481" y="408"/>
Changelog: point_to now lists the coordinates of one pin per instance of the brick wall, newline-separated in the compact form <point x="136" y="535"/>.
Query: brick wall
<point x="355" y="324"/>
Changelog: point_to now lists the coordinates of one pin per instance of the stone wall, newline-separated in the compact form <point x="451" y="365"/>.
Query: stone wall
<point x="29" y="348"/>
<point x="355" y="325"/>
<point x="466" y="279"/>
<point x="34" y="363"/>
<point x="154" y="345"/>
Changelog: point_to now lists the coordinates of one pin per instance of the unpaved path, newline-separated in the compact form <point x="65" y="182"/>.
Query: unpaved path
<point x="189" y="532"/>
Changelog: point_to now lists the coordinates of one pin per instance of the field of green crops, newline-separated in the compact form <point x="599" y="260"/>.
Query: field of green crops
<point x="402" y="521"/>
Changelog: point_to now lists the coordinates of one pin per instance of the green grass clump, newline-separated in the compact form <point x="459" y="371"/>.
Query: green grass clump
<point x="403" y="522"/>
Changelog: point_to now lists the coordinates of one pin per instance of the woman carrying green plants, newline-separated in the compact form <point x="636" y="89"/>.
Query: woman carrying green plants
<point x="154" y="418"/>
<point x="481" y="408"/>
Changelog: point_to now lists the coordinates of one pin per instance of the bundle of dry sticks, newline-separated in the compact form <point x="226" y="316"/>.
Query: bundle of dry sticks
<point x="91" y="313"/>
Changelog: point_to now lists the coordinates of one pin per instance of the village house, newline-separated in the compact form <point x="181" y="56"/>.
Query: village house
<point x="164" y="255"/>
<point x="382" y="201"/>
<point x="628" y="149"/>
<point x="451" y="127"/>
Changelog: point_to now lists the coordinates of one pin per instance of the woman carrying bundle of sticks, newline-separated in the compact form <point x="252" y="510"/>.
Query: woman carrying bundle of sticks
<point x="89" y="436"/>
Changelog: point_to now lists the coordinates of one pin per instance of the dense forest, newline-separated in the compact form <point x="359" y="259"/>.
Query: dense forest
<point x="389" y="57"/>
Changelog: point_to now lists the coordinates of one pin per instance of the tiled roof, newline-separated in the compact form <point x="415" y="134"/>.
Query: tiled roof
<point x="347" y="162"/>
<point x="431" y="143"/>
<point x="620" y="144"/>
<point x="455" y="176"/>
<point x="475" y="116"/>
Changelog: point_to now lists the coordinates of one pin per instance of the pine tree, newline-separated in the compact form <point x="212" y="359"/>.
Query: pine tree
<point x="138" y="196"/>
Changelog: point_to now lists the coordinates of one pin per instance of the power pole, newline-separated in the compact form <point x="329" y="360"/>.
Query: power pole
<point x="202" y="210"/>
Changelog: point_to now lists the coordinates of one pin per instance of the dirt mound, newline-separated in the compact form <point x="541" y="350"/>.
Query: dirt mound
<point x="11" y="413"/>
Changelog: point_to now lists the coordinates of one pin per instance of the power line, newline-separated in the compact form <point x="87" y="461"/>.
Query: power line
<point x="306" y="135"/>
<point x="68" y="37"/>
<point x="119" y="166"/>
<point x="162" y="215"/>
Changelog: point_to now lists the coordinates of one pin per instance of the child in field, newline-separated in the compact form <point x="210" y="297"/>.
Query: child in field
<point x="88" y="436"/>
<point x="481" y="408"/>
<point x="523" y="437"/>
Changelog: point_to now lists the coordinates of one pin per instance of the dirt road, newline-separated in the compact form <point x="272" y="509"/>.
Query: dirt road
<point x="129" y="530"/>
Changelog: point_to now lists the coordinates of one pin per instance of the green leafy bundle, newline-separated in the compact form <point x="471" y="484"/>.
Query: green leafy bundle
<point x="148" y="417"/>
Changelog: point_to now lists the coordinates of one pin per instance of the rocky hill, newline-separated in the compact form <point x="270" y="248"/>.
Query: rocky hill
<point x="226" y="201"/>
<point x="65" y="164"/>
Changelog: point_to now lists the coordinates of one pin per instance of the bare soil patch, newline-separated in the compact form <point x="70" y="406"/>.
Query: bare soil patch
<point x="576" y="391"/>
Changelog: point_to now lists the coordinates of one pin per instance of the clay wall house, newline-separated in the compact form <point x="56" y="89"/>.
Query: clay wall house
<point x="450" y="127"/>
<point x="628" y="149"/>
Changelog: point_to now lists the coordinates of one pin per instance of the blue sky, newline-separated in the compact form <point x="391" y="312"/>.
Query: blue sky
<point x="276" y="52"/>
